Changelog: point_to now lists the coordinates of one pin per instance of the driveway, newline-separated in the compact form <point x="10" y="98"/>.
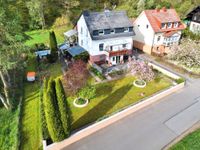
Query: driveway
<point x="150" y="128"/>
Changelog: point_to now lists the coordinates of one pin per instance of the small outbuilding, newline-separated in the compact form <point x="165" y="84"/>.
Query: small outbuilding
<point x="42" y="53"/>
<point x="31" y="76"/>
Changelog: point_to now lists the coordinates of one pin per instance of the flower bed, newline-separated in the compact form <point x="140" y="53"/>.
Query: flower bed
<point x="139" y="83"/>
<point x="80" y="102"/>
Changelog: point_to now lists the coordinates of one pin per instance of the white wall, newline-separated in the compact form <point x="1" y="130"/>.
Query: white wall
<point x="92" y="46"/>
<point x="172" y="39"/>
<point x="143" y="34"/>
<point x="108" y="42"/>
<point x="195" y="27"/>
<point x="84" y="38"/>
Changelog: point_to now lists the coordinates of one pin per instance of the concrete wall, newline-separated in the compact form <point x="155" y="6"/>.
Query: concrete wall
<point x="143" y="30"/>
<point x="164" y="71"/>
<point x="195" y="27"/>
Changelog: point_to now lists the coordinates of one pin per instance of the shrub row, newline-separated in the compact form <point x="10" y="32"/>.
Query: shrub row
<point x="55" y="123"/>
<point x="97" y="73"/>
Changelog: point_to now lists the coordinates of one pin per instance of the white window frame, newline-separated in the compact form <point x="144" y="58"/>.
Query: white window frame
<point x="101" y="32"/>
<point x="169" y="25"/>
<point x="163" y="27"/>
<point x="126" y="29"/>
<point x="112" y="31"/>
<point x="159" y="38"/>
<point x="81" y="42"/>
<point x="176" y="24"/>
<point x="81" y="30"/>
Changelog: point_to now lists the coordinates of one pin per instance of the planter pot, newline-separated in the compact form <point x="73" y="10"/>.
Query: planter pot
<point x="80" y="105"/>
<point x="139" y="83"/>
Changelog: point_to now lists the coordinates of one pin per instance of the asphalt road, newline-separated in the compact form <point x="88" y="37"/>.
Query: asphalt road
<point x="150" y="128"/>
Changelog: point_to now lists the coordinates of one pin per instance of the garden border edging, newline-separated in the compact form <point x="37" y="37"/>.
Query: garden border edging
<point x="108" y="121"/>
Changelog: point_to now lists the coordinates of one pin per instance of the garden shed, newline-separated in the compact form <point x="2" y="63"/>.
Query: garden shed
<point x="42" y="53"/>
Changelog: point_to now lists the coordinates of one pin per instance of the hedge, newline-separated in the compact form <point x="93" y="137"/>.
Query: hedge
<point x="52" y="114"/>
<point x="45" y="133"/>
<point x="62" y="105"/>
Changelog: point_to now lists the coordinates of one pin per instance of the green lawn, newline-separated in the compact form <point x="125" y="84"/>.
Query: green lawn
<point x="42" y="36"/>
<point x="111" y="97"/>
<point x="190" y="142"/>
<point x="9" y="129"/>
<point x="31" y="128"/>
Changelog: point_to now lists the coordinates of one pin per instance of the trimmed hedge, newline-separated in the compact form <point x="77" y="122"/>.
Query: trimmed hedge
<point x="62" y="106"/>
<point x="52" y="114"/>
<point x="45" y="133"/>
<point x="53" y="46"/>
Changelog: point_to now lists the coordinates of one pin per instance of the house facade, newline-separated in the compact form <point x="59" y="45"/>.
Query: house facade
<point x="194" y="20"/>
<point x="157" y="30"/>
<point x="107" y="36"/>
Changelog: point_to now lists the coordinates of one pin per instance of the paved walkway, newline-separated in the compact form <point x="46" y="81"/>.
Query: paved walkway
<point x="152" y="127"/>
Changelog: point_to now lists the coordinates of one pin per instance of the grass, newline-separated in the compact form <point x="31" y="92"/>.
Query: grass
<point x="111" y="97"/>
<point x="190" y="142"/>
<point x="9" y="129"/>
<point x="42" y="36"/>
<point x="31" y="127"/>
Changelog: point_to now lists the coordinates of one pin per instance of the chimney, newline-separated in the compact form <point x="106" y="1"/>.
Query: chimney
<point x="107" y="12"/>
<point x="164" y="9"/>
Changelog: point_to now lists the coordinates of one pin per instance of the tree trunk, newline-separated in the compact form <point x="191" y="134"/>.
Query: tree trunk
<point x="3" y="101"/>
<point x="6" y="88"/>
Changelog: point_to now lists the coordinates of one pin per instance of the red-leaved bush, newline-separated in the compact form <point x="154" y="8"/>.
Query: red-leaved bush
<point x="76" y="77"/>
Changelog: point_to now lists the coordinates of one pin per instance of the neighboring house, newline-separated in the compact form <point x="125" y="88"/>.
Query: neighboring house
<point x="194" y="20"/>
<point x="157" y="30"/>
<point x="107" y="36"/>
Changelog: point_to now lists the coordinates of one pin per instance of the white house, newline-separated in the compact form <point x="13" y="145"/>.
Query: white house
<point x="194" y="20"/>
<point x="107" y="36"/>
<point x="156" y="30"/>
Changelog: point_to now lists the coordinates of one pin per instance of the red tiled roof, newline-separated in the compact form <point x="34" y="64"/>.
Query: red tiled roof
<point x="156" y="17"/>
<point x="169" y="33"/>
<point x="31" y="74"/>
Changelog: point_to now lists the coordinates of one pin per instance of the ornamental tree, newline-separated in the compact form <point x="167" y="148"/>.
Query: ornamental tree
<point x="141" y="70"/>
<point x="76" y="77"/>
<point x="187" y="53"/>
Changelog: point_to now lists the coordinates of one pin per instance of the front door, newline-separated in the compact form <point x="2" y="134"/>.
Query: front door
<point x="117" y="59"/>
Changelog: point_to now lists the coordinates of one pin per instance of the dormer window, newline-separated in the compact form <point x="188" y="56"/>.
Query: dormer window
<point x="126" y="29"/>
<point x="163" y="25"/>
<point x="175" y="24"/>
<point x="112" y="31"/>
<point x="101" y="32"/>
<point x="130" y="29"/>
<point x="95" y="33"/>
<point x="169" y="25"/>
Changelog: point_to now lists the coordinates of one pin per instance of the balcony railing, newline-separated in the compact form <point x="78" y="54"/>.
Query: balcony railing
<point x="118" y="53"/>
